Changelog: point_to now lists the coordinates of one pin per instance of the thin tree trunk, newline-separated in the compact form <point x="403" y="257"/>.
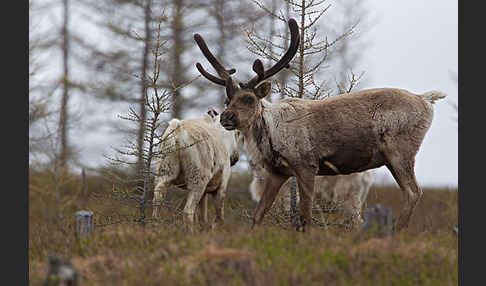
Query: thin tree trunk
<point x="84" y="184"/>
<point x="283" y="74"/>
<point x="178" y="49"/>
<point x="221" y="42"/>
<point x="293" y="191"/>
<point x="271" y="31"/>
<point x="301" y="52"/>
<point x="63" y="118"/>
<point x="143" y="91"/>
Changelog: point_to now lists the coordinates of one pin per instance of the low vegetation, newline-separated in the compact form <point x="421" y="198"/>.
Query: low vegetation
<point x="123" y="252"/>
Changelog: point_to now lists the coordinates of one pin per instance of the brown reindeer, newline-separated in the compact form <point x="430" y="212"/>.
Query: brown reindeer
<point x="344" y="134"/>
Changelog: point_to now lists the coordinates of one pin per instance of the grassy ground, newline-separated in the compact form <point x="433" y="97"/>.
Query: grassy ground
<point x="162" y="254"/>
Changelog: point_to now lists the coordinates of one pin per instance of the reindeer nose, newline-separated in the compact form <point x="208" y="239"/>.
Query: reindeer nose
<point x="227" y="116"/>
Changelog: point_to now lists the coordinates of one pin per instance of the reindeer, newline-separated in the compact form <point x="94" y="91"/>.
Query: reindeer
<point x="197" y="155"/>
<point x="345" y="134"/>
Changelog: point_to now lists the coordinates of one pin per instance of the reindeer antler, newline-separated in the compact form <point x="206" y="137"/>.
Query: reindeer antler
<point x="222" y="72"/>
<point x="282" y="63"/>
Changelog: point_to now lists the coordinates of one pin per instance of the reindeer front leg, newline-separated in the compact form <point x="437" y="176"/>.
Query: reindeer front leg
<point x="269" y="186"/>
<point x="305" y="181"/>
<point x="159" y="194"/>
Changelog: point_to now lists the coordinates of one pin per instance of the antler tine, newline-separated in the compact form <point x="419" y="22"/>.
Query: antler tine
<point x="284" y="61"/>
<point x="209" y="76"/>
<point x="258" y="69"/>
<point x="288" y="56"/>
<point x="222" y="72"/>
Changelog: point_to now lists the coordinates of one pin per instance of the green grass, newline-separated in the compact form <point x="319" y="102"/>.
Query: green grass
<point x="163" y="254"/>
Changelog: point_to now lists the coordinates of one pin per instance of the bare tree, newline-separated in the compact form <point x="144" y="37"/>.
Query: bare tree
<point x="157" y="103"/>
<point x="181" y="16"/>
<point x="63" y="117"/>
<point x="124" y="64"/>
<point x="316" y="53"/>
<point x="230" y="16"/>
<point x="143" y="83"/>
<point x="122" y="59"/>
<point x="347" y="54"/>
<point x="38" y="97"/>
<point x="177" y="29"/>
<point x="53" y="87"/>
<point x="118" y="64"/>
<point x="282" y="77"/>
<point x="42" y="136"/>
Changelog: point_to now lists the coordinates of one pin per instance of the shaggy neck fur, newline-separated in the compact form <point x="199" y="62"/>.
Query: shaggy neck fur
<point x="258" y="139"/>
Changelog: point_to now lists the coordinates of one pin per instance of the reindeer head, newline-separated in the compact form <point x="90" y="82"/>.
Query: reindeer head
<point x="243" y="99"/>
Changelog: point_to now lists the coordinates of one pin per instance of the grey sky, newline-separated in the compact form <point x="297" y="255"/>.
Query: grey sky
<point x="414" y="46"/>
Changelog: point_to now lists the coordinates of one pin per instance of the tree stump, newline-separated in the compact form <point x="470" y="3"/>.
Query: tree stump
<point x="84" y="223"/>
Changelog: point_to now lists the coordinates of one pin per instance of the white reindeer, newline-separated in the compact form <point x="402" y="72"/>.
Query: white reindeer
<point x="343" y="193"/>
<point x="196" y="155"/>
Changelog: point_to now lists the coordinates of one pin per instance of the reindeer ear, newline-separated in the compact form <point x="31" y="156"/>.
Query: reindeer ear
<point x="263" y="89"/>
<point x="213" y="113"/>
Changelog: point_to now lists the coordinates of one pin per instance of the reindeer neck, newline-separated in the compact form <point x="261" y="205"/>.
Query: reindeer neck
<point x="258" y="138"/>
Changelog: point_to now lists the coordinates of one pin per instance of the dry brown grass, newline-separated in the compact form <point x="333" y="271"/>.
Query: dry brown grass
<point x="162" y="254"/>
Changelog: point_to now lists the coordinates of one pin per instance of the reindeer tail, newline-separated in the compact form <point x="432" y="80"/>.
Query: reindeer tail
<point x="169" y="138"/>
<point x="432" y="96"/>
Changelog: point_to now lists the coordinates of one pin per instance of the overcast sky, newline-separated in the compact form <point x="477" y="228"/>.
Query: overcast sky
<point x="413" y="45"/>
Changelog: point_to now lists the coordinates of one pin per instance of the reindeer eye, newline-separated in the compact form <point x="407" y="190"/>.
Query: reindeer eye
<point x="247" y="99"/>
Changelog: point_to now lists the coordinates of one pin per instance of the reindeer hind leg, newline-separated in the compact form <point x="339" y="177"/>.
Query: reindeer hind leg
<point x="402" y="170"/>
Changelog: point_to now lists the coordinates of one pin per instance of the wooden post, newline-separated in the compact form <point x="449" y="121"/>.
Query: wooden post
<point x="84" y="223"/>
<point x="84" y="185"/>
